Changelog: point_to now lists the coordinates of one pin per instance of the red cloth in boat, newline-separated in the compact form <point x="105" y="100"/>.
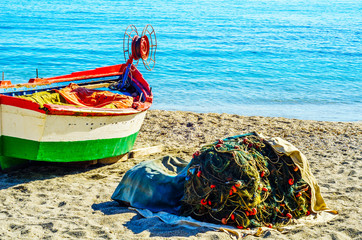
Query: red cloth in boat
<point x="80" y="96"/>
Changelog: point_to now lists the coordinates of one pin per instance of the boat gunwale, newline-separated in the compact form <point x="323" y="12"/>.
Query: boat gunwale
<point x="53" y="109"/>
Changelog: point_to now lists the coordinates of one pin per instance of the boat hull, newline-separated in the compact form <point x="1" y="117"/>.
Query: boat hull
<point x="34" y="131"/>
<point x="33" y="135"/>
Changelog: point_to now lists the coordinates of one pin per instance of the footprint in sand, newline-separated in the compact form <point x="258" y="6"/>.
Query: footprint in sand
<point x="22" y="189"/>
<point x="96" y="176"/>
<point x="4" y="215"/>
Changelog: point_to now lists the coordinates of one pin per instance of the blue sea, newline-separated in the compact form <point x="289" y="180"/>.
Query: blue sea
<point x="286" y="58"/>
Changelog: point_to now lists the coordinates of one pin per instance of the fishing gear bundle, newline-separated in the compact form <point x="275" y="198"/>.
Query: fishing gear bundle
<point x="242" y="181"/>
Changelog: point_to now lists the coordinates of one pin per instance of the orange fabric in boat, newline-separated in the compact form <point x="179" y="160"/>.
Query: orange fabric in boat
<point x="85" y="97"/>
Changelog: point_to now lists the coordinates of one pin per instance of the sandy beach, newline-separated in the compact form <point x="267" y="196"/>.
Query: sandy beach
<point x="55" y="202"/>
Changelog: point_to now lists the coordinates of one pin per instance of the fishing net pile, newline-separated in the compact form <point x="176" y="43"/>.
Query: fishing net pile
<point x="243" y="182"/>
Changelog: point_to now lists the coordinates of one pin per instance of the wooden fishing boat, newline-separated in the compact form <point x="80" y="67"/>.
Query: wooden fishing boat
<point x="85" y="127"/>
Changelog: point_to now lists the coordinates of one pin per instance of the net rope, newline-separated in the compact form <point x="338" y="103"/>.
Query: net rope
<point x="243" y="182"/>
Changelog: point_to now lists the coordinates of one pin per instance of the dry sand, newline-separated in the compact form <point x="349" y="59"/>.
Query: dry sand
<point x="52" y="202"/>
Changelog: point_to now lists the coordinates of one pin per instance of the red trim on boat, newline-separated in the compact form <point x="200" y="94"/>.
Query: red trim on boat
<point x="52" y="109"/>
<point x="108" y="71"/>
<point x="5" y="83"/>
<point x="20" y="103"/>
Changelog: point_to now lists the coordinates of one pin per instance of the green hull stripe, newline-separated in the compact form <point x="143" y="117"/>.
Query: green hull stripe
<point x="9" y="163"/>
<point x="63" y="151"/>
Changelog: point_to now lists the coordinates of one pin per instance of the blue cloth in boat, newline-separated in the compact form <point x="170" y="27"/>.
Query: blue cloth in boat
<point x="157" y="185"/>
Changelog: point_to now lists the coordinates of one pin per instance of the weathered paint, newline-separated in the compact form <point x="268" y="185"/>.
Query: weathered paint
<point x="31" y="125"/>
<point x="72" y="151"/>
<point x="30" y="135"/>
<point x="68" y="133"/>
<point x="103" y="74"/>
<point x="23" y="89"/>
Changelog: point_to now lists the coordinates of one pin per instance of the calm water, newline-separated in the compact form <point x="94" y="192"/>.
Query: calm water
<point x="295" y="59"/>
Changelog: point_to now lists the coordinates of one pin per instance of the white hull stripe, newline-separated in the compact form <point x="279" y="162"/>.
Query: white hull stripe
<point x="32" y="125"/>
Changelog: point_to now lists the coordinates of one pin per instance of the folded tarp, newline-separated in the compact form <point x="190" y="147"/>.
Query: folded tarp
<point x="157" y="185"/>
<point x="85" y="97"/>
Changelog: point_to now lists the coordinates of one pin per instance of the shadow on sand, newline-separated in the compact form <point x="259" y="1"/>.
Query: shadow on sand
<point x="155" y="226"/>
<point x="40" y="171"/>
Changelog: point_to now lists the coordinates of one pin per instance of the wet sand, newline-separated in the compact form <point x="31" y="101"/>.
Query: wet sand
<point x="54" y="202"/>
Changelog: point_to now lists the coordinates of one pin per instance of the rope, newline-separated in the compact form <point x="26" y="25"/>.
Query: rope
<point x="241" y="181"/>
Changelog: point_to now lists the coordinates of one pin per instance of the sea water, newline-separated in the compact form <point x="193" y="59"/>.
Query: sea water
<point x="294" y="59"/>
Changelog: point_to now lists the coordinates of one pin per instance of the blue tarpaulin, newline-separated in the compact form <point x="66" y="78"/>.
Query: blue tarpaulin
<point x="157" y="185"/>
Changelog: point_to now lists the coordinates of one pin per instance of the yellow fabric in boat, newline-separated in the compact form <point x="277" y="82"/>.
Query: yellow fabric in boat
<point x="46" y="97"/>
<point x="73" y="95"/>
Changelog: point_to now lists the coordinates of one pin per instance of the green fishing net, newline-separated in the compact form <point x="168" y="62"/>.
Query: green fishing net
<point x="241" y="181"/>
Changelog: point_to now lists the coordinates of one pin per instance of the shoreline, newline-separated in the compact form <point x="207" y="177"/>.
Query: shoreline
<point x="302" y="111"/>
<point x="55" y="202"/>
